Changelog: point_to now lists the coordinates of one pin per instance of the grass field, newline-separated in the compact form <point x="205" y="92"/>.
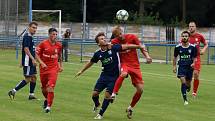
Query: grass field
<point x="161" y="100"/>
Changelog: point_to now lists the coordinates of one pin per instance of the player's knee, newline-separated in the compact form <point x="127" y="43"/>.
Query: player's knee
<point x="107" y="95"/>
<point x="50" y="89"/>
<point x="27" y="79"/>
<point x="139" y="88"/>
<point x="95" y="93"/>
<point x="124" y="74"/>
<point x="33" y="78"/>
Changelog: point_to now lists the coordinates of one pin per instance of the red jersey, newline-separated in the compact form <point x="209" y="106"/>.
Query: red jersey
<point x="49" y="54"/>
<point x="128" y="57"/>
<point x="197" y="39"/>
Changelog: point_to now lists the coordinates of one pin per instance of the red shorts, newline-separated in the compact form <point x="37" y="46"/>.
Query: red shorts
<point x="48" y="79"/>
<point x="135" y="74"/>
<point x="197" y="65"/>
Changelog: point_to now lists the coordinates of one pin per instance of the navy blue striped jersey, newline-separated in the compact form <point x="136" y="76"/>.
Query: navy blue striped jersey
<point x="27" y="42"/>
<point x="109" y="59"/>
<point x="186" y="54"/>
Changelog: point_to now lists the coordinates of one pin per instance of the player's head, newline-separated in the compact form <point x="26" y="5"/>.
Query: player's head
<point x="117" y="32"/>
<point x="100" y="40"/>
<point x="67" y="33"/>
<point x="32" y="27"/>
<point x="185" y="36"/>
<point x="192" y="27"/>
<point x="52" y="34"/>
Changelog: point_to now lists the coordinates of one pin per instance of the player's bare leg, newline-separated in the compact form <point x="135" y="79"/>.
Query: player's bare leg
<point x="118" y="85"/>
<point x="135" y="99"/>
<point x="95" y="98"/>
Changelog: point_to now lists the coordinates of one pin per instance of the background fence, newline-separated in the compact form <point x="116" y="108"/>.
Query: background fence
<point x="160" y="41"/>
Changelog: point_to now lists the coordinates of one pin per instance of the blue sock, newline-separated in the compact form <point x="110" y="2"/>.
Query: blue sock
<point x="105" y="104"/>
<point x="32" y="87"/>
<point x="183" y="91"/>
<point x="20" y="85"/>
<point x="96" y="100"/>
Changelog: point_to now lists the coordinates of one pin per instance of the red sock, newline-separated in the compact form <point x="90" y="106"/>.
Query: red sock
<point x="195" y="85"/>
<point x="50" y="98"/>
<point x="135" y="99"/>
<point x="118" y="84"/>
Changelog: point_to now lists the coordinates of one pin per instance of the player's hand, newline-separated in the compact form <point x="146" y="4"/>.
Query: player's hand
<point x="34" y="62"/>
<point x="174" y="69"/>
<point x="60" y="69"/>
<point x="192" y="65"/>
<point x="202" y="52"/>
<point x="43" y="65"/>
<point x="148" y="60"/>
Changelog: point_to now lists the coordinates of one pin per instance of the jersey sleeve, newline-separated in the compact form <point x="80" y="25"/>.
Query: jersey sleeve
<point x="26" y="41"/>
<point x="203" y="40"/>
<point x="176" y="51"/>
<point x="115" y="41"/>
<point x="39" y="49"/>
<point x="117" y="47"/>
<point x="136" y="40"/>
<point x="95" y="58"/>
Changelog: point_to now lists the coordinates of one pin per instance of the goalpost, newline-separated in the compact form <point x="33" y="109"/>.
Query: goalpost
<point x="52" y="11"/>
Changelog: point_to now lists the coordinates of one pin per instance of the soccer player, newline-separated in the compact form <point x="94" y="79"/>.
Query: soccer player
<point x="187" y="54"/>
<point x="196" y="39"/>
<point x="129" y="65"/>
<point x="108" y="55"/>
<point x="49" y="52"/>
<point x="28" y="62"/>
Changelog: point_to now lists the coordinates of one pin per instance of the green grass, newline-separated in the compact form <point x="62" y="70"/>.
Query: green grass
<point x="161" y="100"/>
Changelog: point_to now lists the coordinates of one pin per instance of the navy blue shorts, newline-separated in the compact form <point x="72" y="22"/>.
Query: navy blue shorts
<point x="105" y="82"/>
<point x="185" y="71"/>
<point x="29" y="70"/>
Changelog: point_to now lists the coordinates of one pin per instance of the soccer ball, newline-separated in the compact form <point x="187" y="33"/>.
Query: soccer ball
<point x="122" y="15"/>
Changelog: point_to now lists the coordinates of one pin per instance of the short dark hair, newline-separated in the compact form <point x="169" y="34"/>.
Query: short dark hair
<point x="52" y="30"/>
<point x="33" y="23"/>
<point x="184" y="32"/>
<point x="98" y="35"/>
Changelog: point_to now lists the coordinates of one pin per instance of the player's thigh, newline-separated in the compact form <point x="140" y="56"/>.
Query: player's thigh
<point x="52" y="79"/>
<point x="44" y="80"/>
<point x="100" y="85"/>
<point x="110" y="86"/>
<point x="136" y="76"/>
<point x="197" y="66"/>
<point x="189" y="74"/>
<point x="29" y="71"/>
<point x="181" y="71"/>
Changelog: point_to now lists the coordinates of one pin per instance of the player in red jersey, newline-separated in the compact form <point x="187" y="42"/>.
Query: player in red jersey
<point x="196" y="39"/>
<point x="49" y="52"/>
<point x="129" y="65"/>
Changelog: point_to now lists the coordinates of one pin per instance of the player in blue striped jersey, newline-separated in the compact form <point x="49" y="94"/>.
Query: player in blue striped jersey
<point x="28" y="62"/>
<point x="186" y="53"/>
<point x="108" y="55"/>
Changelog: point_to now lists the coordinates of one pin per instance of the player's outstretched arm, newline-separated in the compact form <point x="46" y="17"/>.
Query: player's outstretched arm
<point x="86" y="66"/>
<point x="146" y="55"/>
<point x="202" y="51"/>
<point x="131" y="46"/>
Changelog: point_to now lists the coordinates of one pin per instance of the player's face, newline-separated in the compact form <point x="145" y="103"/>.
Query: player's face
<point x="192" y="27"/>
<point x="185" y="37"/>
<point x="102" y="42"/>
<point x="33" y="29"/>
<point x="53" y="36"/>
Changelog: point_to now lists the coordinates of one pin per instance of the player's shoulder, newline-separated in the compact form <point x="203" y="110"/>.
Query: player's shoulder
<point x="178" y="45"/>
<point x="192" y="45"/>
<point x="58" y="43"/>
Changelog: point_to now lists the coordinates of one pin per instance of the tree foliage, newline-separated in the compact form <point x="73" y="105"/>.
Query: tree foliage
<point x="153" y="11"/>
